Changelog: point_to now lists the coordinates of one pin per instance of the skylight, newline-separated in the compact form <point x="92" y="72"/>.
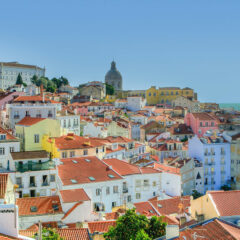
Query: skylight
<point x="87" y="160"/>
<point x="75" y="161"/>
<point x="159" y="205"/>
<point x="92" y="178"/>
<point x="33" y="209"/>
<point x="73" y="181"/>
<point x="111" y="176"/>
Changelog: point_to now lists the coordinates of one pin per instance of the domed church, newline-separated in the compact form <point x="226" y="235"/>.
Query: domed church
<point x="114" y="77"/>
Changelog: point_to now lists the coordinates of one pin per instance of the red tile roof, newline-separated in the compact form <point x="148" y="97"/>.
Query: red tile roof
<point x="112" y="216"/>
<point x="65" y="233"/>
<point x="213" y="229"/>
<point x="227" y="202"/>
<point x="100" y="226"/>
<point x="146" y="208"/>
<point x="3" y="184"/>
<point x="29" y="121"/>
<point x="9" y="136"/>
<point x="6" y="237"/>
<point x="124" y="168"/>
<point x="172" y="205"/>
<point x="72" y="209"/>
<point x="166" y="168"/>
<point x="204" y="116"/>
<point x="72" y="141"/>
<point x="44" y="205"/>
<point x="74" y="195"/>
<point x="84" y="167"/>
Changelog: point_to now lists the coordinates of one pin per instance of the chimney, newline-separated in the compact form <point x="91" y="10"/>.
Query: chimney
<point x="172" y="231"/>
<point x="9" y="219"/>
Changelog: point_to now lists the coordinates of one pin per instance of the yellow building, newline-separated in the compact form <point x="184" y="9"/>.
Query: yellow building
<point x="30" y="131"/>
<point x="167" y="95"/>
<point x="72" y="145"/>
<point x="216" y="204"/>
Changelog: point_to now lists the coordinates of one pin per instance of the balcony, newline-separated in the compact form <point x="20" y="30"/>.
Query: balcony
<point x="50" y="115"/>
<point x="33" y="184"/>
<point x="45" y="184"/>
<point x="16" y="116"/>
<point x="211" y="164"/>
<point x="213" y="153"/>
<point x="125" y="190"/>
<point x="34" y="166"/>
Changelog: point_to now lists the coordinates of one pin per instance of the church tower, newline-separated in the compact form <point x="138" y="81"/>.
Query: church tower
<point x="114" y="77"/>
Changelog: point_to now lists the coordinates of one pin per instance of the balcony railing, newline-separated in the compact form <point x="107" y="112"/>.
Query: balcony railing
<point x="44" y="184"/>
<point x="20" y="185"/>
<point x="125" y="190"/>
<point x="16" y="116"/>
<point x="32" y="184"/>
<point x="34" y="166"/>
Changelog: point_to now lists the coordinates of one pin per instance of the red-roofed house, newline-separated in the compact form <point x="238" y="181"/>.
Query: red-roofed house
<point x="216" y="204"/>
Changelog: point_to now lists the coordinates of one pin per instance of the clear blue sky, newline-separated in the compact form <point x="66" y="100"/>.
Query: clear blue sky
<point x="154" y="42"/>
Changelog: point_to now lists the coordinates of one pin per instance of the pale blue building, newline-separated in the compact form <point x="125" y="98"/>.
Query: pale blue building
<point x="215" y="154"/>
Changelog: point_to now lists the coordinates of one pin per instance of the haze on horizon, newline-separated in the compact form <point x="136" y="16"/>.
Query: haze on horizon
<point x="154" y="43"/>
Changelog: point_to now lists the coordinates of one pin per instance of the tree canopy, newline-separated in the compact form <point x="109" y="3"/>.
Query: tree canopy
<point x="20" y="81"/>
<point x="109" y="89"/>
<point x="48" y="233"/>
<point x="133" y="226"/>
<point x="50" y="84"/>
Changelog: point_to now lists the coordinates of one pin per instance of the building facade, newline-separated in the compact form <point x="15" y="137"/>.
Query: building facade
<point x="9" y="72"/>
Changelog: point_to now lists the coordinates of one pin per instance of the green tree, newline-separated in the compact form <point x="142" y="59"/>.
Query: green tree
<point x="19" y="80"/>
<point x="64" y="81"/>
<point x="34" y="79"/>
<point x="196" y="194"/>
<point x="142" y="235"/>
<point x="51" y="87"/>
<point x="109" y="89"/>
<point x="156" y="227"/>
<point x="48" y="233"/>
<point x="133" y="226"/>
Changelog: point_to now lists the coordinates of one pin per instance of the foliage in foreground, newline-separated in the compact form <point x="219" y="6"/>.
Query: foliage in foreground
<point x="133" y="226"/>
<point x="47" y="234"/>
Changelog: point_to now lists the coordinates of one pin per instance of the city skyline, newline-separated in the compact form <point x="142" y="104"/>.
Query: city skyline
<point x="162" y="44"/>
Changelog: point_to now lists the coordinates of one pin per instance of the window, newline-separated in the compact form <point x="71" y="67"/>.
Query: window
<point x="138" y="195"/>
<point x="212" y="124"/>
<point x="115" y="189"/>
<point x="138" y="183"/>
<point x="2" y="136"/>
<point x="36" y="138"/>
<point x="11" y="149"/>
<point x="103" y="149"/>
<point x="146" y="183"/>
<point x="85" y="152"/>
<point x="154" y="184"/>
<point x="154" y="94"/>
<point x="96" y="150"/>
<point x="72" y="154"/>
<point x="98" y="191"/>
<point x="149" y="94"/>
<point x="107" y="190"/>
<point x="64" y="154"/>
<point x="201" y="124"/>
<point x="64" y="123"/>
<point x="33" y="209"/>
<point x="114" y="204"/>
<point x="99" y="207"/>
<point x="2" y="151"/>
<point x="52" y="178"/>
<point x="206" y="124"/>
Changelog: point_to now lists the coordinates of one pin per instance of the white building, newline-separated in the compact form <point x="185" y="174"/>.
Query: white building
<point x="94" y="129"/>
<point x="135" y="103"/>
<point x="120" y="103"/>
<point x="8" y="144"/>
<point x="32" y="106"/>
<point x="9" y="72"/>
<point x="33" y="172"/>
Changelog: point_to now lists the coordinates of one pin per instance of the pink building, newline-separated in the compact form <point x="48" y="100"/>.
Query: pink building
<point x="7" y="97"/>
<point x="201" y="122"/>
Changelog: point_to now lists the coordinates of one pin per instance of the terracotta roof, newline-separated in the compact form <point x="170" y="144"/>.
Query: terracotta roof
<point x="170" y="220"/>
<point x="166" y="168"/>
<point x="112" y="216"/>
<point x="29" y="121"/>
<point x="20" y="65"/>
<point x="171" y="205"/>
<point x="29" y="155"/>
<point x="6" y="237"/>
<point x="227" y="202"/>
<point x="204" y="116"/>
<point x="9" y="136"/>
<point x="65" y="233"/>
<point x="100" y="226"/>
<point x="80" y="170"/>
<point x="146" y="208"/>
<point x="72" y="209"/>
<point x="30" y="99"/>
<point x="119" y="139"/>
<point x="44" y="205"/>
<point x="124" y="168"/>
<point x="72" y="141"/>
<point x="74" y="195"/>
<point x="3" y="184"/>
<point x="212" y="229"/>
